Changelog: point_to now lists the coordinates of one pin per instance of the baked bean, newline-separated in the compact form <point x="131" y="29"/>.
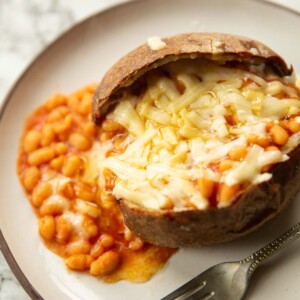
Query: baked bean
<point x="89" y="226"/>
<point x="55" y="101"/>
<point x="85" y="105"/>
<point x="57" y="163"/>
<point x="64" y="229"/>
<point x="85" y="207"/>
<point x="97" y="249"/>
<point x="227" y="193"/>
<point x="57" y="114"/>
<point x="71" y="165"/>
<point x="168" y="204"/>
<point x="31" y="177"/>
<point x="31" y="141"/>
<point x="279" y="135"/>
<point x="105" y="264"/>
<point x="284" y="124"/>
<point x="48" y="135"/>
<point x="60" y="148"/>
<point x="237" y="153"/>
<point x="271" y="148"/>
<point x="225" y="165"/>
<point x="261" y="141"/>
<point x="41" y="156"/>
<point x="107" y="200"/>
<point x="54" y="205"/>
<point x="89" y="129"/>
<point x="136" y="244"/>
<point x="111" y="125"/>
<point x="79" y="262"/>
<point x="293" y="125"/>
<point x="67" y="190"/>
<point x="73" y="102"/>
<point x="47" y="227"/>
<point x="80" y="142"/>
<point x="40" y="193"/>
<point x="105" y="136"/>
<point x="128" y="234"/>
<point x="107" y="240"/>
<point x="63" y="137"/>
<point x="110" y="179"/>
<point x="64" y="126"/>
<point x="79" y="247"/>
<point x="83" y="192"/>
<point x="206" y="186"/>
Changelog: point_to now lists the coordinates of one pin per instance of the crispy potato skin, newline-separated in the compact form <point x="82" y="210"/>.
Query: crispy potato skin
<point x="213" y="46"/>
<point x="193" y="228"/>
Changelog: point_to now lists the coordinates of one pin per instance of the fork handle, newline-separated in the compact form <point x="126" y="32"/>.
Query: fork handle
<point x="269" y="250"/>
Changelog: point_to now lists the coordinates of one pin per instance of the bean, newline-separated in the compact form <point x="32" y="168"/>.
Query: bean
<point x="65" y="126"/>
<point x="89" y="226"/>
<point x="67" y="190"/>
<point x="136" y="244"/>
<point x="57" y="163"/>
<point x="55" y="101"/>
<point x="105" y="136"/>
<point x="41" y="156"/>
<point x="80" y="142"/>
<point x="110" y="179"/>
<point x="71" y="166"/>
<point x="79" y="247"/>
<point x="57" y="114"/>
<point x="111" y="125"/>
<point x="261" y="141"/>
<point x="54" y="205"/>
<point x="48" y="135"/>
<point x="40" y="193"/>
<point x="31" y="178"/>
<point x="271" y="148"/>
<point x="279" y="135"/>
<point x="88" y="208"/>
<point x="206" y="186"/>
<point x="107" y="240"/>
<point x="79" y="262"/>
<point x="237" y="153"/>
<point x="168" y="204"/>
<point x="225" y="165"/>
<point x="89" y="129"/>
<point x="31" y="141"/>
<point x="83" y="192"/>
<point x="105" y="264"/>
<point x="60" y="148"/>
<point x="97" y="249"/>
<point x="293" y="125"/>
<point x="64" y="229"/>
<point x="85" y="105"/>
<point x="128" y="234"/>
<point x="227" y="193"/>
<point x="284" y="124"/>
<point x="47" y="227"/>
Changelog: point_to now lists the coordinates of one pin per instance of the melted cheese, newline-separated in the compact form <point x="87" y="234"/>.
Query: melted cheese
<point x="156" y="43"/>
<point x="177" y="136"/>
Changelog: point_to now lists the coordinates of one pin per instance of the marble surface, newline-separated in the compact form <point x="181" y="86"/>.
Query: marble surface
<point x="25" y="28"/>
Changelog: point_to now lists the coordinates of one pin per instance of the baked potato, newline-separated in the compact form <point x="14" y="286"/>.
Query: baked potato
<point x="200" y="138"/>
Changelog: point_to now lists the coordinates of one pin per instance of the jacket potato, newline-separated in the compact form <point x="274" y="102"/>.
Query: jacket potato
<point x="200" y="138"/>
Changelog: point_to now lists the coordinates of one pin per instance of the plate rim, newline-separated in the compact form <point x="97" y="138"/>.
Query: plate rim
<point x="4" y="247"/>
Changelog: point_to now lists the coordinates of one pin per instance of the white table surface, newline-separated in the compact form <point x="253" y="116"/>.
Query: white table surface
<point x="25" y="28"/>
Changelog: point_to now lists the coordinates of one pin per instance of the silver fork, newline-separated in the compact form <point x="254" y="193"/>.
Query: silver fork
<point x="230" y="280"/>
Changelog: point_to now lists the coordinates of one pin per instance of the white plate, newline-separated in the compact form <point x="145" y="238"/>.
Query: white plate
<point x="81" y="56"/>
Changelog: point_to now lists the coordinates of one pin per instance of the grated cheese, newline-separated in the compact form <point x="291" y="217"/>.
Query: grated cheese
<point x="177" y="136"/>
